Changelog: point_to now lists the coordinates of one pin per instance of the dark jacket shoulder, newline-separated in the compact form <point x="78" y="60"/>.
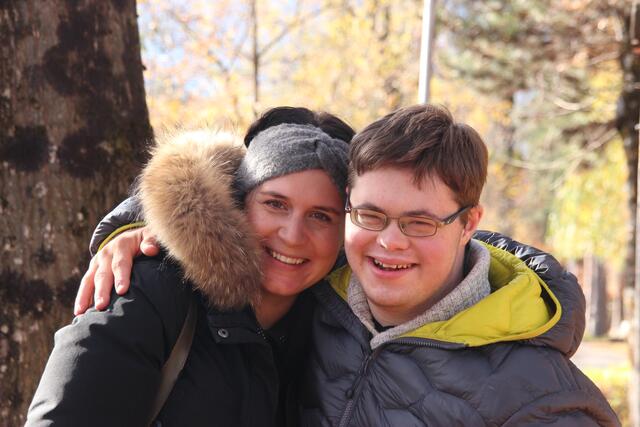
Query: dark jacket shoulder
<point x="105" y="366"/>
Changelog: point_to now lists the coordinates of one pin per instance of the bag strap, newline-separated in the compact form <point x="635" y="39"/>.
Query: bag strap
<point x="174" y="364"/>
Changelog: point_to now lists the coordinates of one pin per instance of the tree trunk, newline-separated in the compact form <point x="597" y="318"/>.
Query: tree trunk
<point x="617" y="305"/>
<point x="73" y="130"/>
<point x="596" y="281"/>
<point x="628" y="111"/>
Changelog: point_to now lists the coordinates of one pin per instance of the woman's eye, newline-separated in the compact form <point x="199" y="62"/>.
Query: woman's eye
<point x="275" y="204"/>
<point x="320" y="216"/>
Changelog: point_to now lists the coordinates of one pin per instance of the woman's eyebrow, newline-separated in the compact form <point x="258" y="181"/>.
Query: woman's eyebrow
<point x="273" y="194"/>
<point x="328" y="209"/>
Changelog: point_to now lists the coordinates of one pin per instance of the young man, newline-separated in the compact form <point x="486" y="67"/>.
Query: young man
<point x="427" y="326"/>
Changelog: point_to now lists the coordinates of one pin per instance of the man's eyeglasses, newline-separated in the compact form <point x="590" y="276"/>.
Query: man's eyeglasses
<point x="413" y="226"/>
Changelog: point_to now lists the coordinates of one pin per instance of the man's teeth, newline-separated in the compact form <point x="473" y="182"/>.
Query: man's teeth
<point x="390" y="266"/>
<point x="285" y="259"/>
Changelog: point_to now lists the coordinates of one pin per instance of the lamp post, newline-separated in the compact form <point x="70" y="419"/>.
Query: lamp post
<point x="426" y="50"/>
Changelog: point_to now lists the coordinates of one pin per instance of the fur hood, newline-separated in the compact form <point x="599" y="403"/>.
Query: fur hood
<point x="187" y="200"/>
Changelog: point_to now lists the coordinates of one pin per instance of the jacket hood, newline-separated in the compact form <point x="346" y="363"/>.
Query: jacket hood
<point x="187" y="200"/>
<point x="521" y="306"/>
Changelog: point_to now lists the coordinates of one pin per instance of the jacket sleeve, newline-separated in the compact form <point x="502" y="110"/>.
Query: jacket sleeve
<point x="583" y="408"/>
<point x="105" y="366"/>
<point x="129" y="212"/>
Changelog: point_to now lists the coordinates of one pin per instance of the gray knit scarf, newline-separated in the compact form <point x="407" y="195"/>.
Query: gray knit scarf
<point x="288" y="148"/>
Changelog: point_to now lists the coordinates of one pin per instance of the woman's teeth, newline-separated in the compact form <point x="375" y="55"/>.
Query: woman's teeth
<point x="285" y="259"/>
<point x="390" y="266"/>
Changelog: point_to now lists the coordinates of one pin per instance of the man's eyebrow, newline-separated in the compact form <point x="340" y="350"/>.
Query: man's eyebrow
<point x="417" y="212"/>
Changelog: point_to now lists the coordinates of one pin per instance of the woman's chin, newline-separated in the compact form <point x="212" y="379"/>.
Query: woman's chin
<point x="285" y="283"/>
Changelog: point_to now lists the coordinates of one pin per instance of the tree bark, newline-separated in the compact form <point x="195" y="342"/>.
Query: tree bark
<point x="628" y="111"/>
<point x="597" y="318"/>
<point x="73" y="129"/>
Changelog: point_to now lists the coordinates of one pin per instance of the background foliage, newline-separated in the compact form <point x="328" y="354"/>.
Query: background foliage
<point x="539" y="80"/>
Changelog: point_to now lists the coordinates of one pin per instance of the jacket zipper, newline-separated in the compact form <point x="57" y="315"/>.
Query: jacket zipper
<point x="423" y="343"/>
<point x="354" y="391"/>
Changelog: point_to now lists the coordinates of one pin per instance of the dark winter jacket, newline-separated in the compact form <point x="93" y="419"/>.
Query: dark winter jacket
<point x="105" y="367"/>
<point x="503" y="361"/>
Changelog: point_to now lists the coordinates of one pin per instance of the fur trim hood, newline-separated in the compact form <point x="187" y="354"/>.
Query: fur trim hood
<point x="187" y="200"/>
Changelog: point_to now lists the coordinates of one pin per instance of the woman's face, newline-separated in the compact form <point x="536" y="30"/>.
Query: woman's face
<point x="300" y="220"/>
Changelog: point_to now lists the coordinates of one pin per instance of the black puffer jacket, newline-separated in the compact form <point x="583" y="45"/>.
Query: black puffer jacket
<point x="491" y="365"/>
<point x="105" y="366"/>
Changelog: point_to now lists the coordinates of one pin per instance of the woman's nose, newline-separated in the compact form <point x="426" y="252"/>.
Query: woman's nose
<point x="292" y="231"/>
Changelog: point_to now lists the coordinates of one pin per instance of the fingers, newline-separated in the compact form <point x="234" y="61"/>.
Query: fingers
<point x="103" y="279"/>
<point x="118" y="259"/>
<point x="85" y="291"/>
<point x="122" y="263"/>
<point x="149" y="245"/>
<point x="112" y="264"/>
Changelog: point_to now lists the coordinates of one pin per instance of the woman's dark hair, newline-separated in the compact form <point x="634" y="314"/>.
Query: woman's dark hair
<point x="330" y="124"/>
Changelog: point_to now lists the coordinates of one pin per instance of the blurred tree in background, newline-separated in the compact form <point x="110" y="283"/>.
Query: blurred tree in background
<point x="73" y="128"/>
<point x="569" y="73"/>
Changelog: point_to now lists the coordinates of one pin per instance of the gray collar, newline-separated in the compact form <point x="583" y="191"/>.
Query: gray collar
<point x="474" y="287"/>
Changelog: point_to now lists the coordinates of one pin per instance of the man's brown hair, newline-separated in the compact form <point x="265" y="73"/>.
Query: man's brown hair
<point x="425" y="139"/>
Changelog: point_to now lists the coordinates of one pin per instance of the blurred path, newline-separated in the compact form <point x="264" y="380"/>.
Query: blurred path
<point x="601" y="354"/>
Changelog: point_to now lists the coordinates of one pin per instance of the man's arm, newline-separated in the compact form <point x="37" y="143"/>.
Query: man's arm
<point x="582" y="407"/>
<point x="113" y="265"/>
<point x="126" y="214"/>
<point x="117" y="239"/>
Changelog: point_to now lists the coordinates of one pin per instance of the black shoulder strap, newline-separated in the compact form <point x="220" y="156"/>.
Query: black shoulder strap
<point x="174" y="364"/>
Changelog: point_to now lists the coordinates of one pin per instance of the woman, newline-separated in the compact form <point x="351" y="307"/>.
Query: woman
<point x="249" y="337"/>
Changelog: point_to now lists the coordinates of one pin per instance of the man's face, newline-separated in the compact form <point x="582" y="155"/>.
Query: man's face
<point x="402" y="276"/>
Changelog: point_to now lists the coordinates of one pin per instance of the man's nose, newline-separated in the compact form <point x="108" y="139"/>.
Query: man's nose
<point x="392" y="238"/>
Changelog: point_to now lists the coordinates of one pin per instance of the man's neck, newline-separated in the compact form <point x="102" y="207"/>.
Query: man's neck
<point x="393" y="316"/>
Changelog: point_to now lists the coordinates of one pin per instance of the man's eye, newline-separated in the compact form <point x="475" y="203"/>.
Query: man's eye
<point x="370" y="218"/>
<point x="274" y="204"/>
<point x="419" y="222"/>
<point x="420" y="225"/>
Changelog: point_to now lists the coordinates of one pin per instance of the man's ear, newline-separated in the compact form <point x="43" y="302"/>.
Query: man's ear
<point x="473" y="220"/>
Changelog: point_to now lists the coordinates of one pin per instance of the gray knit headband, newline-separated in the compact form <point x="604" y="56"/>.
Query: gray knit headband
<point x="288" y="148"/>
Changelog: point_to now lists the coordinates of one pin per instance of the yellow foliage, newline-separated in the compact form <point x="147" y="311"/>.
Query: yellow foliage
<point x="590" y="211"/>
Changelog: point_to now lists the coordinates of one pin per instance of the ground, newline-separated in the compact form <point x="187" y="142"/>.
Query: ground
<point x="608" y="365"/>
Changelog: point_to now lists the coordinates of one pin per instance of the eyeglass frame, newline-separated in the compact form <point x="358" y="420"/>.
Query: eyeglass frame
<point x="439" y="223"/>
